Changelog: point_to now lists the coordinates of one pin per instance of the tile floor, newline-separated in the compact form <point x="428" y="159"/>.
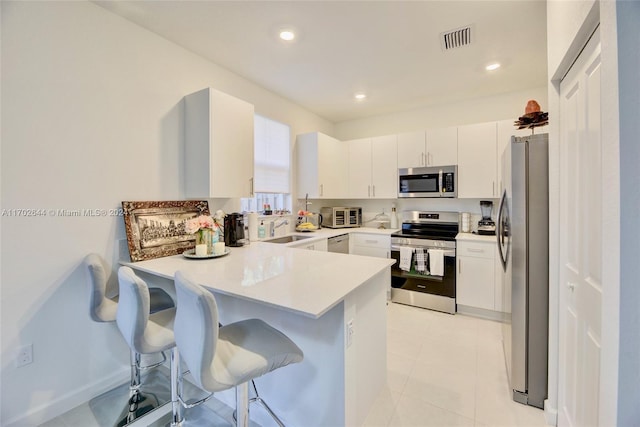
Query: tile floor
<point x="442" y="370"/>
<point x="446" y="370"/>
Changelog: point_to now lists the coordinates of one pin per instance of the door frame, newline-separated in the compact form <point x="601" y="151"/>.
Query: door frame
<point x="602" y="13"/>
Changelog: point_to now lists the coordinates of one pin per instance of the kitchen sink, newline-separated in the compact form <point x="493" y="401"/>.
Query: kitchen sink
<point x="286" y="239"/>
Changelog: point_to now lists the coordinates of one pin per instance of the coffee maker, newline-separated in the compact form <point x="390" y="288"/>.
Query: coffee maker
<point x="486" y="226"/>
<point x="234" y="230"/>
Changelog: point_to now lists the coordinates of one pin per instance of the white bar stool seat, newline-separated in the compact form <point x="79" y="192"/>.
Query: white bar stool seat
<point x="140" y="396"/>
<point x="221" y="358"/>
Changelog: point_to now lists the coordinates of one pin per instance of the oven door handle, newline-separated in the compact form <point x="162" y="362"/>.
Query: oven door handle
<point x="447" y="252"/>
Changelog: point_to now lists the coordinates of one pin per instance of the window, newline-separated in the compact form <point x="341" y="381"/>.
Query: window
<point x="271" y="162"/>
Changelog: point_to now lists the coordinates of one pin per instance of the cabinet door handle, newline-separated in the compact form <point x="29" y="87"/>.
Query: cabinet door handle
<point x="321" y="189"/>
<point x="368" y="191"/>
<point x="374" y="191"/>
<point x="459" y="266"/>
<point x="422" y="161"/>
<point x="475" y="250"/>
<point x="429" y="160"/>
<point x="251" y="187"/>
<point x="493" y="188"/>
<point x="371" y="241"/>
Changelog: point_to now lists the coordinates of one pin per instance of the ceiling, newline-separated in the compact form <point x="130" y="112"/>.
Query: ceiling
<point x="390" y="50"/>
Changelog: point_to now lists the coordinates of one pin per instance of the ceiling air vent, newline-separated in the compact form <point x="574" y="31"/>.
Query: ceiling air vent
<point x="456" y="38"/>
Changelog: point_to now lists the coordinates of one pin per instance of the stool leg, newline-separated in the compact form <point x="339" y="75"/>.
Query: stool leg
<point x="134" y="361"/>
<point x="259" y="400"/>
<point x="242" y="405"/>
<point x="176" y="407"/>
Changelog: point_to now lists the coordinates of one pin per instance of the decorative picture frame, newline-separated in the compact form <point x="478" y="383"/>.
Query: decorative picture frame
<point x="156" y="229"/>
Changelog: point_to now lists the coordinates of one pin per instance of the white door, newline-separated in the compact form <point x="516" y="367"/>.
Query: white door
<point x="580" y="240"/>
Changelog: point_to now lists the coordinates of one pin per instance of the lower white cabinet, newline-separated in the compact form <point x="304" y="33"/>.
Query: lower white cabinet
<point x="318" y="245"/>
<point x="475" y="281"/>
<point x="376" y="245"/>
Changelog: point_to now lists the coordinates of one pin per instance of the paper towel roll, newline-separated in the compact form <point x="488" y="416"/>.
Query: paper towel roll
<point x="253" y="226"/>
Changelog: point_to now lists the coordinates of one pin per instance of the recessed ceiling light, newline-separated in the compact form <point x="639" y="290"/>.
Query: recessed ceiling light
<point x="492" y="67"/>
<point x="287" y="35"/>
<point x="360" y="96"/>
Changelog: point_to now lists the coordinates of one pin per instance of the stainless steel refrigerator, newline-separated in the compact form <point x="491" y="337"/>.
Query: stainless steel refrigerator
<point x="523" y="243"/>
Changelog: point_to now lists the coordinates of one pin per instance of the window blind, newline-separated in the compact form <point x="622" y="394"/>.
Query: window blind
<point x="271" y="156"/>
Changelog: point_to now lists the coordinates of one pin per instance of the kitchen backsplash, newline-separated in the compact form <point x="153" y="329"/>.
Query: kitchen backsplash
<point x="373" y="207"/>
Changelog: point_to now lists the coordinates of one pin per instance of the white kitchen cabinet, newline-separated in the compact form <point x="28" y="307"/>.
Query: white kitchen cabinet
<point x="477" y="161"/>
<point x="369" y="244"/>
<point x="317" y="245"/>
<point x="373" y="168"/>
<point x="435" y="147"/>
<point x="475" y="281"/>
<point x="218" y="145"/>
<point x="412" y="147"/>
<point x="322" y="166"/>
<point x="506" y="130"/>
<point x="442" y="146"/>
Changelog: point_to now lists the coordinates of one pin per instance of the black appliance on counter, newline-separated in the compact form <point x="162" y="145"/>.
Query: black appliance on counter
<point x="234" y="230"/>
<point x="425" y="231"/>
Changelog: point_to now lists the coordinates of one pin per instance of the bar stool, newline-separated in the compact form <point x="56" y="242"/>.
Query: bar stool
<point x="220" y="358"/>
<point x="103" y="309"/>
<point x="145" y="333"/>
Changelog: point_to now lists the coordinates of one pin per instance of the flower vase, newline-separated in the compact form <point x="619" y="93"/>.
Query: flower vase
<point x="204" y="243"/>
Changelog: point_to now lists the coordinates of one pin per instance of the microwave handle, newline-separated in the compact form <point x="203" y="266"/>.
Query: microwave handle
<point x="440" y="180"/>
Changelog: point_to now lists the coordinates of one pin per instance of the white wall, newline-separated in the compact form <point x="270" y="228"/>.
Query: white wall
<point x="92" y="115"/>
<point x="487" y="109"/>
<point x="626" y="22"/>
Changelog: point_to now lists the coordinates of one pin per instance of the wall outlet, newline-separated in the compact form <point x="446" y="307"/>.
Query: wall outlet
<point x="349" y="333"/>
<point x="24" y="356"/>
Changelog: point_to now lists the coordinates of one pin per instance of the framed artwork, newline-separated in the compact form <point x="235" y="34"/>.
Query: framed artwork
<point x="157" y="229"/>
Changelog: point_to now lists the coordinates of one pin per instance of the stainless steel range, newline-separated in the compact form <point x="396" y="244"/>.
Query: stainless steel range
<point x="424" y="274"/>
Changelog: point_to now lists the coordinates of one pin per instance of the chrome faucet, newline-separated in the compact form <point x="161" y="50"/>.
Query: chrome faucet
<point x="273" y="226"/>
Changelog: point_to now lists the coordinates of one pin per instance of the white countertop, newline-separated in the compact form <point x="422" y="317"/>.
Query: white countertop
<point x="301" y="281"/>
<point x="475" y="237"/>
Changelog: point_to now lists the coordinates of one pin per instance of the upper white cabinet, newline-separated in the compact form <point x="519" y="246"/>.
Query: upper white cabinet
<point x="322" y="166"/>
<point x="442" y="146"/>
<point x="435" y="147"/>
<point x="218" y="145"/>
<point x="373" y="169"/>
<point x="477" y="161"/>
<point x="506" y="130"/>
<point x="412" y="147"/>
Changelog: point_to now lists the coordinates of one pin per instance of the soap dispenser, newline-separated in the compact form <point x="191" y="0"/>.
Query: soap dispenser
<point x="261" y="230"/>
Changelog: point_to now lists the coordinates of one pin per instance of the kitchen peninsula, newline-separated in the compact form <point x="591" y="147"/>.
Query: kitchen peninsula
<point x="333" y="306"/>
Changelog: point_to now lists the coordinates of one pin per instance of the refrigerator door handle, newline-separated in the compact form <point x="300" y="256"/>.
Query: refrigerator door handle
<point x="500" y="231"/>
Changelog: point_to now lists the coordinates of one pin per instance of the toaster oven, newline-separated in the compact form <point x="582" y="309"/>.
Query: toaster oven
<point x="338" y="217"/>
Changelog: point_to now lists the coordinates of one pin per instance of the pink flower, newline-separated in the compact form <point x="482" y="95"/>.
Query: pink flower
<point x="196" y="224"/>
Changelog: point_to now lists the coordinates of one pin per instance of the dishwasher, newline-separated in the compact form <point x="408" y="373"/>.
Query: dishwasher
<point x="338" y="244"/>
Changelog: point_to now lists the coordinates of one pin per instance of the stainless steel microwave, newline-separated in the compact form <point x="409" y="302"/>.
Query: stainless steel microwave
<point x="436" y="181"/>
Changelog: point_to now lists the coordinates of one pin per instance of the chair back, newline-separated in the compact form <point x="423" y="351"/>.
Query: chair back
<point x="195" y="327"/>
<point x="133" y="309"/>
<point x="101" y="308"/>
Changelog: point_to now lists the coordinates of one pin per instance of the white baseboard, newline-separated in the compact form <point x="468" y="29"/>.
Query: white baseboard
<point x="550" y="414"/>
<point x="482" y="313"/>
<point x="58" y="406"/>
